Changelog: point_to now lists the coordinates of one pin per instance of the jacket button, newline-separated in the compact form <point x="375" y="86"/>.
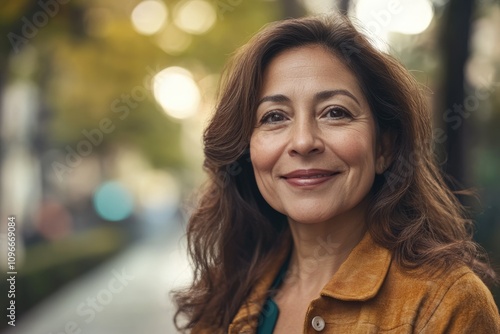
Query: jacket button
<point x="318" y="323"/>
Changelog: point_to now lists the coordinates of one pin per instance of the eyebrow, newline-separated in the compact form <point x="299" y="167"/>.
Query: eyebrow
<point x="318" y="97"/>
<point x="278" y="98"/>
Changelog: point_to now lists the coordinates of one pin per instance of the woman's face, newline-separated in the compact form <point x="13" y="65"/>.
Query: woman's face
<point x="313" y="149"/>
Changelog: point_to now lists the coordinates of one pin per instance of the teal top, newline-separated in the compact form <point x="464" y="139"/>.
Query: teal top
<point x="270" y="311"/>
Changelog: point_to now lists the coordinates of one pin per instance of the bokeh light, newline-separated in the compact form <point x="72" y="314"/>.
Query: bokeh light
<point x="415" y="17"/>
<point x="379" y="17"/>
<point x="112" y="201"/>
<point x="177" y="92"/>
<point x="173" y="40"/>
<point x="195" y="16"/>
<point x="149" y="16"/>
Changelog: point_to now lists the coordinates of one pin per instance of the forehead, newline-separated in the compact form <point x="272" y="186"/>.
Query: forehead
<point x="306" y="65"/>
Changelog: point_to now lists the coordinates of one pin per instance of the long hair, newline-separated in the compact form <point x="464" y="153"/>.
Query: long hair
<point x="233" y="232"/>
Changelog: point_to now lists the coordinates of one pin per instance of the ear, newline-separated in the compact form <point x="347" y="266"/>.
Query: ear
<point x="384" y="152"/>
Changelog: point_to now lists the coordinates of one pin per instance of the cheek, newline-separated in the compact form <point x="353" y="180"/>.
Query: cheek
<point x="263" y="154"/>
<point x="356" y="150"/>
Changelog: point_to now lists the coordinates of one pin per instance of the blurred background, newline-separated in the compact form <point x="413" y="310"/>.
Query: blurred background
<point x="102" y="107"/>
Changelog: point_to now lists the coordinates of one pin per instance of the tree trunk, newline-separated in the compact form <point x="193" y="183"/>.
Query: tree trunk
<point x="455" y="41"/>
<point x="343" y="6"/>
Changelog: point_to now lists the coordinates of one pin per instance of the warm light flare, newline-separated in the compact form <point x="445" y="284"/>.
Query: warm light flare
<point x="149" y="16"/>
<point x="381" y="17"/>
<point x="195" y="16"/>
<point x="177" y="92"/>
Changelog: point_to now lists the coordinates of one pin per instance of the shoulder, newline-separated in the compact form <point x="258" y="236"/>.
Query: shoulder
<point x="462" y="305"/>
<point x="454" y="301"/>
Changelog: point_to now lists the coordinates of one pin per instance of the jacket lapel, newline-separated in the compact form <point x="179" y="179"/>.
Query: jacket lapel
<point x="361" y="275"/>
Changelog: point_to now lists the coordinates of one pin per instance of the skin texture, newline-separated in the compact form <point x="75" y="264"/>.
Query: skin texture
<point x="313" y="115"/>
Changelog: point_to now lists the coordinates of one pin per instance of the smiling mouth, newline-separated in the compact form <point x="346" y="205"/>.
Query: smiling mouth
<point x="309" y="174"/>
<point x="317" y="176"/>
<point x="309" y="177"/>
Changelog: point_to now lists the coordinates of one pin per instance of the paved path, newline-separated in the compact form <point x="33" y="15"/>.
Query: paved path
<point x="126" y="295"/>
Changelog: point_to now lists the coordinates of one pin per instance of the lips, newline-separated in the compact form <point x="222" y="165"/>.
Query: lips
<point x="309" y="177"/>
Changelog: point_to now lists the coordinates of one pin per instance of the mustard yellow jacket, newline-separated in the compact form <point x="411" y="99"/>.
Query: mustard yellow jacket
<point x="370" y="293"/>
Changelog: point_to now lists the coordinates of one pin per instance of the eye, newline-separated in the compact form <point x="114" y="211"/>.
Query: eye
<point x="272" y="117"/>
<point x="337" y="113"/>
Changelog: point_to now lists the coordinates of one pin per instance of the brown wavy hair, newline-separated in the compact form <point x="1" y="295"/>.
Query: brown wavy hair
<point x="233" y="233"/>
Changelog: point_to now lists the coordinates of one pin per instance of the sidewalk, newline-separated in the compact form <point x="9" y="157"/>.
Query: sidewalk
<point x="126" y="295"/>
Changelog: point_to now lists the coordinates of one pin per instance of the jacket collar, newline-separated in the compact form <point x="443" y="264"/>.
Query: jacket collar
<point x="359" y="278"/>
<point x="362" y="273"/>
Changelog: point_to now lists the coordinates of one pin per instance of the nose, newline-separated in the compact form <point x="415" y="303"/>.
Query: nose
<point x="305" y="139"/>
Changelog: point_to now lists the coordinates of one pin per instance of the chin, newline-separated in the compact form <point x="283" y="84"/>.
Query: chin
<point x="311" y="218"/>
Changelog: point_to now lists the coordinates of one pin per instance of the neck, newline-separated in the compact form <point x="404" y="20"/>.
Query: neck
<point x="320" y="249"/>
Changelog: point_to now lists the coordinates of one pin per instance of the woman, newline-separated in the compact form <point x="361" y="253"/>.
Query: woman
<point x="324" y="210"/>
